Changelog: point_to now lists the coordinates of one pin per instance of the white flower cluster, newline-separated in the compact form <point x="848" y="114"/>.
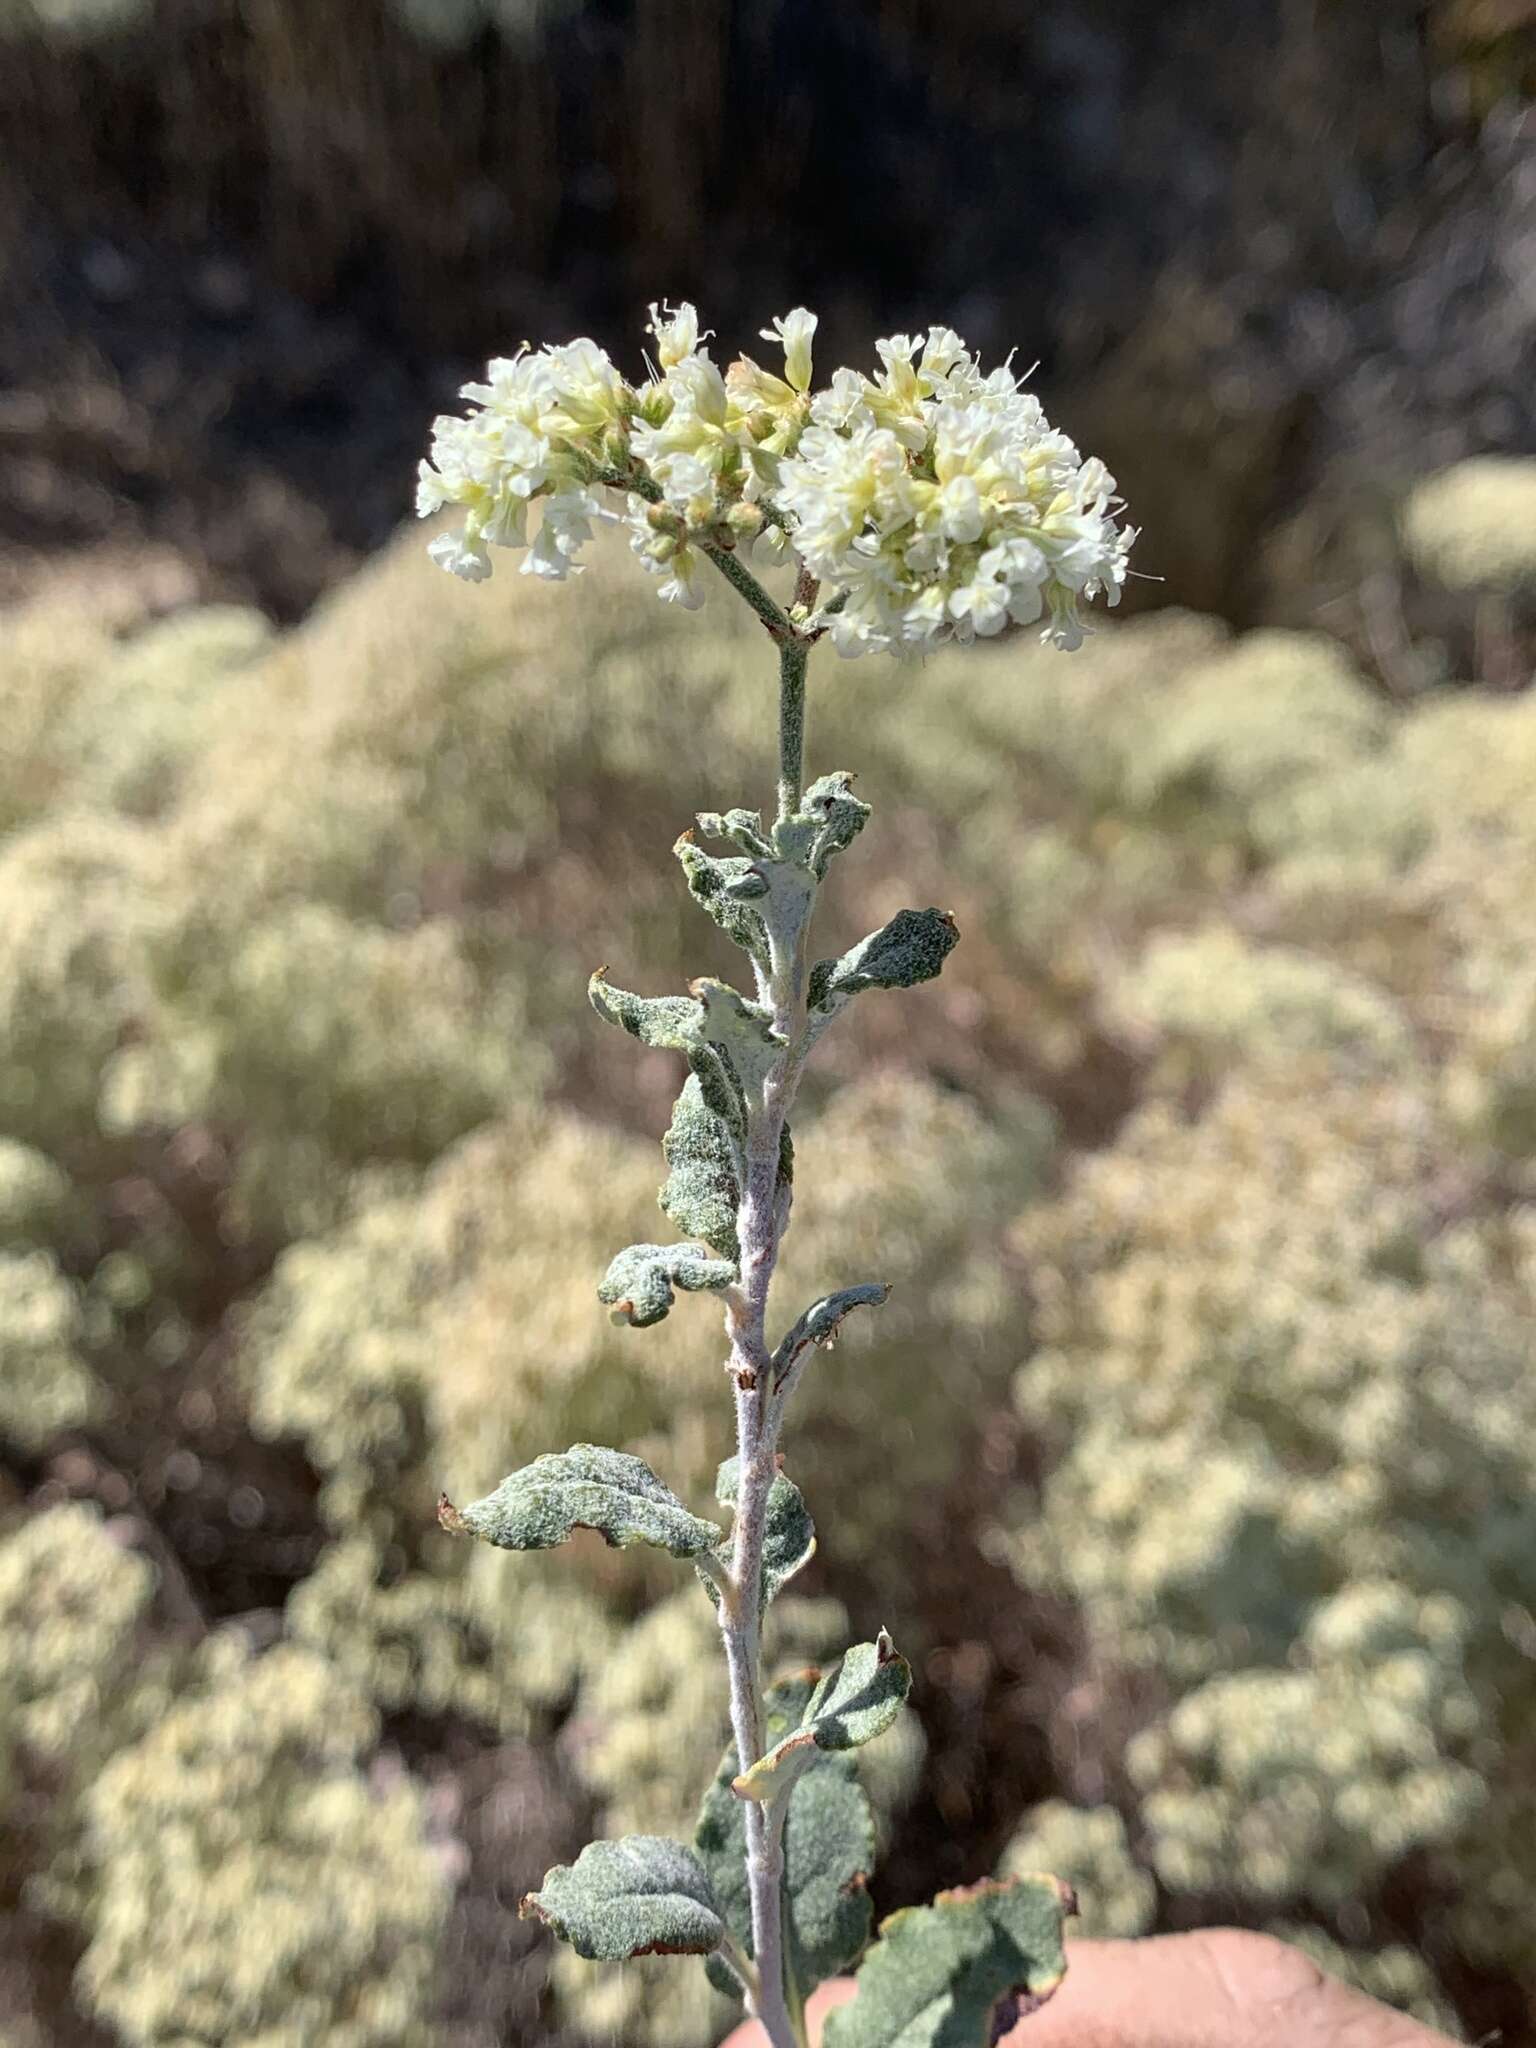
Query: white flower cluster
<point x="931" y="502"/>
<point x="542" y="429"/>
<point x="942" y="504"/>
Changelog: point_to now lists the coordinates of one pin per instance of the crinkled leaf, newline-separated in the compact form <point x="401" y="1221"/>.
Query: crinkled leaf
<point x="676" y="1024"/>
<point x="829" y="819"/>
<point x="958" y="1973"/>
<point x="702" y="1191"/>
<point x="741" y="828"/>
<point x="729" y="891"/>
<point x="822" y="1320"/>
<point x="638" y="1285"/>
<point x="586" y="1487"/>
<point x="740" y="1031"/>
<point x="642" y="1896"/>
<point x="829" y="1849"/>
<point x="671" y="1022"/>
<point x="789" y="1534"/>
<point x="849" y="1707"/>
<point x="911" y="948"/>
<point x="729" y="1042"/>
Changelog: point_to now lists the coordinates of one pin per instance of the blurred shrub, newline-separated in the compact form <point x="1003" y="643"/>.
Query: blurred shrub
<point x="1304" y="708"/>
<point x="74" y="20"/>
<point x="45" y="1384"/>
<point x="1216" y="998"/>
<point x="1282" y="1389"/>
<point x="71" y="1603"/>
<point x="249" y="1883"/>
<point x="1473" y="527"/>
<point x="1088" y="1848"/>
<point x="72" y="908"/>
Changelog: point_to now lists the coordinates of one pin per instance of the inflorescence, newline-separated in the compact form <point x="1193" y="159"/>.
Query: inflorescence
<point x="933" y="501"/>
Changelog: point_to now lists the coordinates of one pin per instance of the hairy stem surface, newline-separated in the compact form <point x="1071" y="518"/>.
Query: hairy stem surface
<point x="793" y="655"/>
<point x="761" y="1221"/>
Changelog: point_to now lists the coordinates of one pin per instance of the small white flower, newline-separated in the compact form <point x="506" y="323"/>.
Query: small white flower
<point x="960" y="509"/>
<point x="688" y="488"/>
<point x="685" y="585"/>
<point x="676" y="329"/>
<point x="462" y="555"/>
<point x="794" y="332"/>
<point x="565" y="528"/>
<point x="980" y="606"/>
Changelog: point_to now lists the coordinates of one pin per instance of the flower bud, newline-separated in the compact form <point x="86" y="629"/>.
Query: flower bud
<point x="745" y="520"/>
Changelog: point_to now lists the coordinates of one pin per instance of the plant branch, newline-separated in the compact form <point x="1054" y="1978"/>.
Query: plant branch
<point x="762" y="1217"/>
<point x="793" y="655"/>
<point x="741" y="579"/>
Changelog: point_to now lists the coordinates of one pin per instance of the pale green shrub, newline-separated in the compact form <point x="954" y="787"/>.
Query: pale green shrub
<point x="154" y="704"/>
<point x="1087" y="1846"/>
<point x="36" y="1196"/>
<point x="50" y="650"/>
<point x="1292" y="1430"/>
<point x="449" y="1643"/>
<point x="1213" y="997"/>
<point x="1471" y="526"/>
<point x="251" y="1884"/>
<point x="1237" y="729"/>
<point x="72" y="1599"/>
<point x="73" y="912"/>
<point x="46" y="1383"/>
<point x="1308" y="1783"/>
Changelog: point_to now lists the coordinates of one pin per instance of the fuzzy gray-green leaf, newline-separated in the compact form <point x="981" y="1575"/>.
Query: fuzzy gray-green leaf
<point x="641" y="1896"/>
<point x="728" y="890"/>
<point x="830" y="818"/>
<point x="911" y="948"/>
<point x="740" y="1031"/>
<point x="741" y="828"/>
<point x="822" y="1320"/>
<point x="676" y="1024"/>
<point x="671" y="1022"/>
<point x="829" y="1849"/>
<point x="702" y="1191"/>
<point x="586" y="1487"/>
<point x="850" y="1706"/>
<point x="789" y="1534"/>
<point x="640" y="1281"/>
<point x="958" y="1973"/>
<point x="728" y="1041"/>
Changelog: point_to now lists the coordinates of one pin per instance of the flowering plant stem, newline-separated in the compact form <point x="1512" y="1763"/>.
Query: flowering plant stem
<point x="762" y="1218"/>
<point x="930" y="502"/>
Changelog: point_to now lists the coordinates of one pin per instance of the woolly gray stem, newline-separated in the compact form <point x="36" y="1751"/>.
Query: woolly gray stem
<point x="760" y="1224"/>
<point x="793" y="655"/>
<point x="740" y="1616"/>
<point x="740" y="577"/>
